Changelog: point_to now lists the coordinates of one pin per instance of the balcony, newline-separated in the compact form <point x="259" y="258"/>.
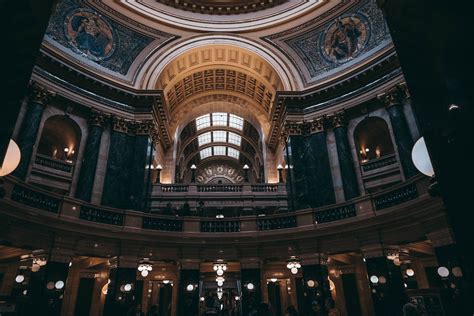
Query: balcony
<point x="217" y="199"/>
<point x="53" y="173"/>
<point x="28" y="203"/>
<point x="380" y="172"/>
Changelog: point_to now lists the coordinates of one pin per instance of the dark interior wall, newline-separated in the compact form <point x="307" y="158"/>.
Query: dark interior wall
<point x="351" y="294"/>
<point x="84" y="297"/>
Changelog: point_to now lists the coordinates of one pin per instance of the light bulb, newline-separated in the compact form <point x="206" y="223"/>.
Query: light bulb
<point x="145" y="273"/>
<point x="59" y="285"/>
<point x="294" y="270"/>
<point x="374" y="279"/>
<point x="19" y="278"/>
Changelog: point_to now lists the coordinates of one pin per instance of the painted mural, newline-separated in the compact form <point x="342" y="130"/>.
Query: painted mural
<point x="89" y="34"/>
<point x="345" y="38"/>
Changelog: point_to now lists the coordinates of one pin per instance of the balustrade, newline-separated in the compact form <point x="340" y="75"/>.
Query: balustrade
<point x="219" y="188"/>
<point x="398" y="196"/>
<point x="100" y="216"/>
<point x="264" y="187"/>
<point x="379" y="163"/>
<point x="335" y="214"/>
<point x="52" y="163"/>
<point x="35" y="199"/>
<point x="220" y="226"/>
<point x="174" y="225"/>
<point x="276" y="223"/>
<point x="174" y="188"/>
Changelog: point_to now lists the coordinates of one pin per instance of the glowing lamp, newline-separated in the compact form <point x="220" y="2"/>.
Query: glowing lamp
<point x="12" y="159"/>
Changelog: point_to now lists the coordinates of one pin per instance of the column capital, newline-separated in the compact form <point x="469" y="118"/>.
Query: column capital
<point x="338" y="119"/>
<point x="40" y="94"/>
<point x="143" y="127"/>
<point x="313" y="126"/>
<point x="394" y="96"/>
<point x="97" y="118"/>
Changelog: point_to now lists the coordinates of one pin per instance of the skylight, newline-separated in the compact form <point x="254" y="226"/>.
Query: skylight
<point x="203" y="122"/>
<point x="205" y="153"/>
<point x="204" y="139"/>
<point x="219" y="150"/>
<point x="235" y="139"/>
<point x="219" y="136"/>
<point x="236" y="122"/>
<point x="219" y="119"/>
<point x="234" y="153"/>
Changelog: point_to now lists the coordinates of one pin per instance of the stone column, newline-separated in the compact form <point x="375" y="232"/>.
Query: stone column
<point x="137" y="172"/>
<point x="91" y="156"/>
<point x="363" y="288"/>
<point x="38" y="99"/>
<point x="393" y="101"/>
<point x="344" y="154"/>
<point x="250" y="274"/>
<point x="122" y="291"/>
<point x="313" y="185"/>
<point x="116" y="190"/>
<point x="386" y="282"/>
<point x="188" y="298"/>
<point x="315" y="282"/>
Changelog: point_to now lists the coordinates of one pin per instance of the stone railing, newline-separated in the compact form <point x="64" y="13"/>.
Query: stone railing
<point x="220" y="226"/>
<point x="379" y="163"/>
<point x="23" y="201"/>
<point x="45" y="161"/>
<point x="207" y="199"/>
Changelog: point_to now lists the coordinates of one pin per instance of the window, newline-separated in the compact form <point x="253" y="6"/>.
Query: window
<point x="219" y="136"/>
<point x="206" y="152"/>
<point x="203" y="122"/>
<point x="204" y="139"/>
<point x="236" y="122"/>
<point x="219" y="150"/>
<point x="234" y="153"/>
<point x="219" y="119"/>
<point x="234" y="139"/>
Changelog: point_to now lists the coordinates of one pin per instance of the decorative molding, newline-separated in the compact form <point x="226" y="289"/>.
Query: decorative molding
<point x="40" y="94"/>
<point x="338" y="119"/>
<point x="394" y="96"/>
<point x="98" y="118"/>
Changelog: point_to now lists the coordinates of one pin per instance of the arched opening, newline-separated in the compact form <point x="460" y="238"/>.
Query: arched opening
<point x="372" y="139"/>
<point x="60" y="139"/>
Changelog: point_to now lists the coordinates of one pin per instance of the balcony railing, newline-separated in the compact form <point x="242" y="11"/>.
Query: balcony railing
<point x="52" y="163"/>
<point x="219" y="188"/>
<point x="379" y="163"/>
<point x="174" y="188"/>
<point x="25" y="200"/>
<point x="265" y="187"/>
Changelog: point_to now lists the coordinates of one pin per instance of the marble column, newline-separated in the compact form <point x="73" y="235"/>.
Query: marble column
<point x="386" y="283"/>
<point x="315" y="283"/>
<point x="137" y="172"/>
<point x="344" y="154"/>
<point x="313" y="185"/>
<point x="91" y="156"/>
<point x="188" y="299"/>
<point x="116" y="190"/>
<point x="393" y="100"/>
<point x="39" y="98"/>
<point x="119" y="298"/>
<point x="250" y="296"/>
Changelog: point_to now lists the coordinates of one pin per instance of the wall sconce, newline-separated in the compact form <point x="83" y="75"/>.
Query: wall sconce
<point x="280" y="173"/>
<point x="193" y="173"/>
<point x="246" y="172"/>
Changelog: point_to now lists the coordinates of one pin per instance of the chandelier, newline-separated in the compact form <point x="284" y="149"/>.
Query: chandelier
<point x="220" y="267"/>
<point x="293" y="264"/>
<point x="145" y="268"/>
<point x="220" y="281"/>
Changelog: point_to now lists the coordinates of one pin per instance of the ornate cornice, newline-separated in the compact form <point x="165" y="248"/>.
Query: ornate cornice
<point x="338" y="119"/>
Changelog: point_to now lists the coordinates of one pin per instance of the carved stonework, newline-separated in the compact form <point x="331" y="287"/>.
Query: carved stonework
<point x="394" y="96"/>
<point x="39" y="94"/>
<point x="120" y="124"/>
<point x="143" y="128"/>
<point x="98" y="118"/>
<point x="219" y="174"/>
<point x="304" y="128"/>
<point x="155" y="133"/>
<point x="338" y="119"/>
<point x="317" y="125"/>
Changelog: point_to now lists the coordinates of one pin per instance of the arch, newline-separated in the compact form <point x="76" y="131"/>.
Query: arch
<point x="194" y="53"/>
<point x="60" y="138"/>
<point x="372" y="139"/>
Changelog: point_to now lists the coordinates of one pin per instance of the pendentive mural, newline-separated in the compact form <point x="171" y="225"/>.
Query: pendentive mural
<point x="89" y="35"/>
<point x="324" y="44"/>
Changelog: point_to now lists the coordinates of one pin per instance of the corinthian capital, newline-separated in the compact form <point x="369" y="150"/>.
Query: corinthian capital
<point x="40" y="94"/>
<point x="394" y="96"/>
<point x="97" y="118"/>
<point x="338" y="119"/>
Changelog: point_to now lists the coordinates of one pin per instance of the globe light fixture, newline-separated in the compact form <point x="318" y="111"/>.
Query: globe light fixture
<point x="250" y="286"/>
<point x="374" y="279"/>
<point x="443" y="272"/>
<point x="145" y="268"/>
<point x="421" y="158"/>
<point x="310" y="283"/>
<point x="127" y="287"/>
<point x="220" y="281"/>
<point x="293" y="264"/>
<point x="11" y="160"/>
<point x="20" y="278"/>
<point x="59" y="285"/>
<point x="410" y="272"/>
<point x="273" y="280"/>
<point x="382" y="279"/>
<point x="166" y="281"/>
<point x="190" y="288"/>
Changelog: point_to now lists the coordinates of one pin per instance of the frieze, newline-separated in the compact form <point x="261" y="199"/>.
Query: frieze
<point x="338" y="119"/>
<point x="98" y="118"/>
<point x="394" y="96"/>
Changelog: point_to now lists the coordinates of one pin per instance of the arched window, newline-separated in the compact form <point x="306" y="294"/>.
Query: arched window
<point x="372" y="139"/>
<point x="60" y="139"/>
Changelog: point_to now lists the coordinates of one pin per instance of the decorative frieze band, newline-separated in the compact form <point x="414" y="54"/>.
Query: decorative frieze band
<point x="132" y="127"/>
<point x="98" y="118"/>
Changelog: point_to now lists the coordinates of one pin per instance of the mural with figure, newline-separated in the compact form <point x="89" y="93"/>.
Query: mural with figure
<point x="90" y="34"/>
<point x="345" y="38"/>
